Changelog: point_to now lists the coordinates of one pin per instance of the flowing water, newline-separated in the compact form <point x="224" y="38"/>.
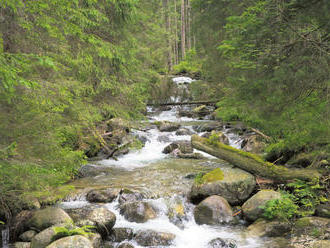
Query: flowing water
<point x="165" y="180"/>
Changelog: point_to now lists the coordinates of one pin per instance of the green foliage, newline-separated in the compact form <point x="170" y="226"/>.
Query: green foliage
<point x="63" y="231"/>
<point x="283" y="208"/>
<point x="2" y="223"/>
<point x="199" y="178"/>
<point x="191" y="64"/>
<point x="213" y="140"/>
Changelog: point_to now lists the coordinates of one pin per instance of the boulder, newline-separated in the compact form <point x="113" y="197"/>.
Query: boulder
<point x="121" y="234"/>
<point x="102" y="195"/>
<point x="323" y="210"/>
<point x="182" y="146"/>
<point x="103" y="219"/>
<point x="139" y="212"/>
<point x="312" y="226"/>
<point x="183" y="131"/>
<point x="214" y="210"/>
<point x="254" y="144"/>
<point x="251" y="208"/>
<point x="95" y="239"/>
<point x="222" y="243"/>
<point x="130" y="197"/>
<point x="264" y="228"/>
<point x="236" y="186"/>
<point x="44" y="238"/>
<point x="21" y="245"/>
<point x="166" y="126"/>
<point x="125" y="245"/>
<point x="27" y="236"/>
<point x="152" y="238"/>
<point x="76" y="241"/>
<point x="91" y="170"/>
<point x="47" y="217"/>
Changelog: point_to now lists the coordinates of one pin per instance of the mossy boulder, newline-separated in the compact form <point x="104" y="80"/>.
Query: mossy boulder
<point x="139" y="212"/>
<point x="235" y="186"/>
<point x="47" y="217"/>
<point x="72" y="242"/>
<point x="153" y="238"/>
<point x="264" y="228"/>
<point x="251" y="208"/>
<point x="214" y="210"/>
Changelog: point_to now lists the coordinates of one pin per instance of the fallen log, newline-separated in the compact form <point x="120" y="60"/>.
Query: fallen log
<point x="252" y="163"/>
<point x="184" y="103"/>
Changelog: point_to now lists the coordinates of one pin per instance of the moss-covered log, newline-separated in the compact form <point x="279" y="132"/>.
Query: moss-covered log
<point x="251" y="162"/>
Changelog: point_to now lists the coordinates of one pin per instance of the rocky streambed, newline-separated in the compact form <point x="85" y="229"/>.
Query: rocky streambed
<point x="166" y="194"/>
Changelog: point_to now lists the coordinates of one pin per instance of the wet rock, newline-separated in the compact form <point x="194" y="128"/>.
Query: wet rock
<point x="152" y="238"/>
<point x="312" y="226"/>
<point x="95" y="239"/>
<point x="22" y="245"/>
<point x="103" y="219"/>
<point x="184" y="131"/>
<point x="251" y="208"/>
<point x="43" y="238"/>
<point x="47" y="217"/>
<point x="264" y="228"/>
<point x="71" y="242"/>
<point x="213" y="210"/>
<point x="195" y="155"/>
<point x="121" y="234"/>
<point x="27" y="236"/>
<point x="235" y="187"/>
<point x="90" y="170"/>
<point x="166" y="126"/>
<point x="125" y="245"/>
<point x="222" y="243"/>
<point x="139" y="212"/>
<point x="182" y="146"/>
<point x="254" y="144"/>
<point x="102" y="195"/>
<point x="128" y="196"/>
<point x="163" y="138"/>
<point x="323" y="210"/>
<point x="208" y="127"/>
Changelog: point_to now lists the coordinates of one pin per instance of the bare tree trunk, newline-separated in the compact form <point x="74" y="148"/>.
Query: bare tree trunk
<point x="168" y="35"/>
<point x="176" y="46"/>
<point x="183" y="30"/>
<point x="188" y="25"/>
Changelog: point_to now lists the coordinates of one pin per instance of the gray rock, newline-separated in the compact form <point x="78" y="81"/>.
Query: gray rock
<point x="195" y="155"/>
<point x="251" y="208"/>
<point x="182" y="146"/>
<point x="125" y="245"/>
<point x="102" y="195"/>
<point x="236" y="187"/>
<point x="43" y="238"/>
<point x="27" y="236"/>
<point x="47" y="217"/>
<point x="183" y="131"/>
<point x="90" y="170"/>
<point x="263" y="228"/>
<point x="152" y="238"/>
<point x="95" y="239"/>
<point x="166" y="126"/>
<point x="222" y="243"/>
<point x="139" y="212"/>
<point x="76" y="241"/>
<point x="163" y="138"/>
<point x="130" y="197"/>
<point x="121" y="234"/>
<point x="214" y="210"/>
<point x="103" y="219"/>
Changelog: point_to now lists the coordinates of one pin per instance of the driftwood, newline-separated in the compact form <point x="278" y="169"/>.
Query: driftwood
<point x="261" y="134"/>
<point x="251" y="162"/>
<point x="184" y="103"/>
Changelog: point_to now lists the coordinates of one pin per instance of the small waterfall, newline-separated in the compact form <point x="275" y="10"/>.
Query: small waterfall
<point x="5" y="237"/>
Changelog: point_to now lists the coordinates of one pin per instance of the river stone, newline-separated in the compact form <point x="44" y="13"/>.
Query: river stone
<point x="153" y="238"/>
<point x="43" y="238"/>
<point x="125" y="245"/>
<point x="264" y="228"/>
<point x="130" y="197"/>
<point x="213" y="210"/>
<point x="163" y="138"/>
<point x="121" y="234"/>
<point x="195" y="155"/>
<point x="27" y="236"/>
<point x="323" y="210"/>
<point x="139" y="212"/>
<point x="47" y="217"/>
<point x="103" y="219"/>
<point x="235" y="187"/>
<point x="76" y="241"/>
<point x="312" y="226"/>
<point x="90" y="170"/>
<point x="251" y="208"/>
<point x="184" y="131"/>
<point x="95" y="239"/>
<point x="183" y="146"/>
<point x="22" y="245"/>
<point x="166" y="126"/>
<point x="102" y="195"/>
<point x="222" y="243"/>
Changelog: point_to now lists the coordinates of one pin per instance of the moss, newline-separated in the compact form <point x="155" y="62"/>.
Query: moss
<point x="212" y="176"/>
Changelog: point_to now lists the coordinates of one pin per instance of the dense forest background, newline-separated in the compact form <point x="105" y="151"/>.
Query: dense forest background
<point x="66" y="66"/>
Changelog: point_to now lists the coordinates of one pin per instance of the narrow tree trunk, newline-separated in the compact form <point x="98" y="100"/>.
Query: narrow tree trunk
<point x="252" y="163"/>
<point x="176" y="46"/>
<point x="188" y="25"/>
<point x="183" y="30"/>
<point x="168" y="35"/>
